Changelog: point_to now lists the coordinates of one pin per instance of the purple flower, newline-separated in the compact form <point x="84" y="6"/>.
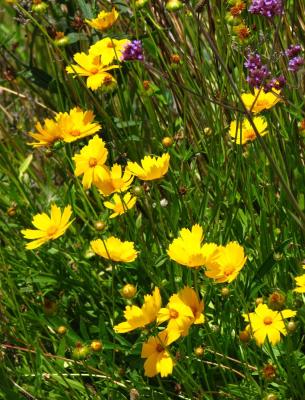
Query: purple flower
<point x="293" y="50"/>
<point x="295" y="63"/>
<point x="133" y="51"/>
<point x="275" y="83"/>
<point x="258" y="73"/>
<point x="267" y="8"/>
<point x="253" y="61"/>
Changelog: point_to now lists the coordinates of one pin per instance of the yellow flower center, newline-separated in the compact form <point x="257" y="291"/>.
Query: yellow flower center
<point x="173" y="313"/>
<point x="92" y="162"/>
<point x="75" y="132"/>
<point x="159" y="348"/>
<point x="94" y="71"/>
<point x="51" y="230"/>
<point x="268" y="321"/>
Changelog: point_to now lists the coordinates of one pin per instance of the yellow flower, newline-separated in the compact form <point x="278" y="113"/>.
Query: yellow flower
<point x="190" y="298"/>
<point x="187" y="249"/>
<point x="109" y="49"/>
<point x="137" y="317"/>
<point x="267" y="323"/>
<point x="260" y="100"/>
<point x="242" y="133"/>
<point x="114" y="249"/>
<point x="48" y="133"/>
<point x="159" y="360"/>
<point x="104" y="20"/>
<point x="151" y="167"/>
<point x="92" y="67"/>
<point x="120" y="205"/>
<point x="227" y="263"/>
<point x="179" y="315"/>
<point x="76" y="124"/>
<point x="300" y="282"/>
<point x="114" y="180"/>
<point x="90" y="161"/>
<point x="48" y="228"/>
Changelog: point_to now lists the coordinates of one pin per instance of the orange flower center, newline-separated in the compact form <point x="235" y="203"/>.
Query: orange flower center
<point x="250" y="135"/>
<point x="159" y="348"/>
<point x="111" y="45"/>
<point x="92" y="162"/>
<point x="94" y="71"/>
<point x="51" y="230"/>
<point x="173" y="313"/>
<point x="75" y="132"/>
<point x="229" y="272"/>
<point x="268" y="321"/>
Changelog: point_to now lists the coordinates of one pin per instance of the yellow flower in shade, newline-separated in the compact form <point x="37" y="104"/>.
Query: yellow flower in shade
<point x="114" y="249"/>
<point x="260" y="100"/>
<point x="264" y="322"/>
<point x="109" y="49"/>
<point x="92" y="67"/>
<point x="150" y="168"/>
<point x="90" y="161"/>
<point x="137" y="317"/>
<point x="243" y="132"/>
<point x="300" y="282"/>
<point x="159" y="361"/>
<point x="179" y="316"/>
<point x="188" y="249"/>
<point x="104" y="20"/>
<point x="227" y="263"/>
<point x="47" y="134"/>
<point x="120" y="204"/>
<point x="48" y="228"/>
<point x="76" y="124"/>
<point x="114" y="180"/>
<point x="190" y="298"/>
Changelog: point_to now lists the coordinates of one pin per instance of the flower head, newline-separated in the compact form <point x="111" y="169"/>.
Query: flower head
<point x="266" y="323"/>
<point x="243" y="132"/>
<point x="133" y="51"/>
<point x="260" y="100"/>
<point x="159" y="360"/>
<point x="293" y="51"/>
<point x="114" y="180"/>
<point x="120" y="204"/>
<point x="137" y="317"/>
<point x="295" y="63"/>
<point x="188" y="249"/>
<point x="300" y="282"/>
<point x="227" y="263"/>
<point x="109" y="49"/>
<point x="114" y="249"/>
<point x="47" y="134"/>
<point x="104" y="20"/>
<point x="48" y="228"/>
<point x="267" y="8"/>
<point x="151" y="167"/>
<point x="93" y="67"/>
<point x="90" y="161"/>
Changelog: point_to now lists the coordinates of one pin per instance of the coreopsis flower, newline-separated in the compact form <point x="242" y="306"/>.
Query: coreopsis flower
<point x="267" y="8"/>
<point x="90" y="161"/>
<point x="109" y="49"/>
<point x="188" y="249"/>
<point x="114" y="249"/>
<point x="137" y="317"/>
<point x="178" y="314"/>
<point x="48" y="228"/>
<point x="47" y="134"/>
<point x="266" y="323"/>
<point x="92" y="67"/>
<point x="120" y="204"/>
<point x="114" y="180"/>
<point x="104" y="20"/>
<point x="76" y="124"/>
<point x="190" y="298"/>
<point x="227" y="264"/>
<point x="151" y="167"/>
<point x="159" y="361"/>
<point x="300" y="282"/>
<point x="260" y="100"/>
<point x="243" y="132"/>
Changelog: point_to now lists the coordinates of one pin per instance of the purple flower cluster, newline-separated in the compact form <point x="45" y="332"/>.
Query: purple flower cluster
<point x="133" y="51"/>
<point x="259" y="74"/>
<point x="295" y="60"/>
<point x="267" y="8"/>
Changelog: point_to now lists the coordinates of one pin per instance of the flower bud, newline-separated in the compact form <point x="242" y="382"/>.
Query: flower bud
<point x="167" y="141"/>
<point x="100" y="225"/>
<point x="80" y="351"/>
<point x="291" y="326"/>
<point x="61" y="330"/>
<point x="129" y="291"/>
<point x="269" y="372"/>
<point x="276" y="300"/>
<point x="199" y="351"/>
<point x="140" y="3"/>
<point x="244" y="336"/>
<point x="63" y="41"/>
<point x="225" y="291"/>
<point x="40" y="7"/>
<point x="11" y="211"/>
<point x="271" y="396"/>
<point x="50" y="307"/>
<point x="96" y="345"/>
<point x="277" y="256"/>
<point x="174" y="5"/>
<point x="259" y="301"/>
<point x="137" y="190"/>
